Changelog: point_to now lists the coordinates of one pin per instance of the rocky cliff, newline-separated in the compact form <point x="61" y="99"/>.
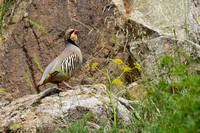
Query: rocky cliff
<point x="134" y="31"/>
<point x="22" y="40"/>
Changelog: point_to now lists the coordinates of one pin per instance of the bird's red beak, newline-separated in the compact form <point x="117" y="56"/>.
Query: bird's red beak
<point x="76" y="31"/>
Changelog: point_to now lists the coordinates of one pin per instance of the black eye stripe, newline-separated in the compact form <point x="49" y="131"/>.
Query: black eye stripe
<point x="71" y="33"/>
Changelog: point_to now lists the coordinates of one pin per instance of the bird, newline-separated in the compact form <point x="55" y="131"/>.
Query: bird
<point x="63" y="67"/>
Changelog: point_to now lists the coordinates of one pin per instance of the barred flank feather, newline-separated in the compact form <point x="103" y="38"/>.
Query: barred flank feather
<point x="69" y="64"/>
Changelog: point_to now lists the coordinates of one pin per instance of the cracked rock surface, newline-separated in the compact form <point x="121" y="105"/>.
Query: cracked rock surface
<point x="55" y="111"/>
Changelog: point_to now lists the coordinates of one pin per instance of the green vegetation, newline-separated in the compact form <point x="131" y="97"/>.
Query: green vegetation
<point x="6" y="4"/>
<point x="170" y="102"/>
<point x="28" y="79"/>
<point x="171" y="105"/>
<point x="15" y="126"/>
<point x="114" y="39"/>
<point x="3" y="92"/>
<point x="78" y="126"/>
<point x="114" y="82"/>
<point x="38" y="63"/>
<point x="39" y="26"/>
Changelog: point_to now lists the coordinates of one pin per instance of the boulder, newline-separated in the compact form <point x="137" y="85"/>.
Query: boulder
<point x="41" y="112"/>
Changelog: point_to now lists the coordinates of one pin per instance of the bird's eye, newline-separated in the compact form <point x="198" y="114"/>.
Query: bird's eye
<point x="71" y="32"/>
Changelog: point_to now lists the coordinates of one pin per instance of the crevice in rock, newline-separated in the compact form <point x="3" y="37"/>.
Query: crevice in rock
<point x="29" y="63"/>
<point x="36" y="38"/>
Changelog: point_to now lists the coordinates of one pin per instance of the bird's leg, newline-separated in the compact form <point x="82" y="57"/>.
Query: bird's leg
<point x="58" y="85"/>
<point x="67" y="85"/>
<point x="59" y="88"/>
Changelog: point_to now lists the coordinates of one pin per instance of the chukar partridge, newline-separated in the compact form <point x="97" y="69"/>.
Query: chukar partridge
<point x="66" y="64"/>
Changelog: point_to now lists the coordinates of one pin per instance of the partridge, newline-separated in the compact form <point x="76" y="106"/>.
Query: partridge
<point x="66" y="64"/>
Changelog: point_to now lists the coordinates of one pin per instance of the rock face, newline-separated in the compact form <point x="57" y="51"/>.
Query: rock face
<point x="23" y="40"/>
<point x="156" y="31"/>
<point x="150" y="52"/>
<point x="194" y="19"/>
<point x="54" y="112"/>
<point x="96" y="21"/>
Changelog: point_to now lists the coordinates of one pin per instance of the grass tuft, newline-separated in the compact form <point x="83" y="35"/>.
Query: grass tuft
<point x="28" y="79"/>
<point x="39" y="26"/>
<point x="6" y="4"/>
<point x="37" y="62"/>
<point x="3" y="92"/>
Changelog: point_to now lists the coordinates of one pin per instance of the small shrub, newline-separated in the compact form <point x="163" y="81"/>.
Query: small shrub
<point x="114" y="81"/>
